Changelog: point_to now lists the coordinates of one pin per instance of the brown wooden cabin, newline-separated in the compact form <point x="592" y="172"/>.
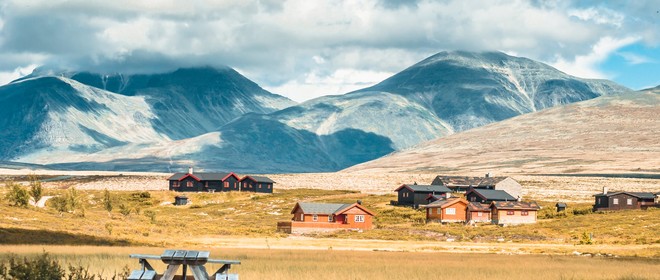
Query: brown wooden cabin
<point x="259" y="184"/>
<point x="463" y="184"/>
<point x="487" y="196"/>
<point x="415" y="195"/>
<point x="203" y="182"/>
<point x="478" y="213"/>
<point x="452" y="210"/>
<point x="624" y="200"/>
<point x="327" y="216"/>
<point x="513" y="212"/>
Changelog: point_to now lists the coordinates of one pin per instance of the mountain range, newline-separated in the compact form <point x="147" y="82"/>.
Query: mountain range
<point x="216" y="119"/>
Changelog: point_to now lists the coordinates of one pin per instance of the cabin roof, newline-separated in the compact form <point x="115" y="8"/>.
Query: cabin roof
<point x="443" y="203"/>
<point x="643" y="195"/>
<point x="515" y="205"/>
<point x="424" y="188"/>
<point x="258" y="179"/>
<point x="478" y="207"/>
<point x="493" y="194"/>
<point x="434" y="196"/>
<point x="560" y="204"/>
<point x="327" y="208"/>
<point x="203" y="176"/>
<point x="465" y="181"/>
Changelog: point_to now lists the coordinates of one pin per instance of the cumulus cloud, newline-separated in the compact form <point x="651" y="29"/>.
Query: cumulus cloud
<point x="307" y="47"/>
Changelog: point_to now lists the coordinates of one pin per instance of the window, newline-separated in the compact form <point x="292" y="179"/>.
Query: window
<point x="359" y="218"/>
<point x="302" y="217"/>
<point x="439" y="211"/>
<point x="268" y="186"/>
<point x="473" y="198"/>
<point x="599" y="200"/>
<point x="450" y="211"/>
<point x="189" y="184"/>
<point x="479" y="214"/>
<point x="226" y="184"/>
<point x="206" y="185"/>
<point x="524" y="213"/>
<point x="629" y="202"/>
<point x="330" y="218"/>
<point x="615" y="201"/>
<point x="175" y="184"/>
<point x="509" y="212"/>
<point x="315" y="217"/>
<point x="260" y="186"/>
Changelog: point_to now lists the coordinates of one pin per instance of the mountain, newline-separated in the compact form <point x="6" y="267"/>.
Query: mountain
<point x="468" y="89"/>
<point x="615" y="134"/>
<point x="44" y="118"/>
<point x="216" y="119"/>
<point x="189" y="101"/>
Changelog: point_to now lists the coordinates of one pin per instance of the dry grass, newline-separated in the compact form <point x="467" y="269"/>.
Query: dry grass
<point x="333" y="264"/>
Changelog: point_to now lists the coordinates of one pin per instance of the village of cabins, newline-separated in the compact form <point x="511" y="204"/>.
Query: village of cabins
<point x="448" y="199"/>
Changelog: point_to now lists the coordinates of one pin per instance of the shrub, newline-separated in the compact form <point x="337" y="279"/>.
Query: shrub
<point x="124" y="210"/>
<point x="43" y="267"/>
<point x="17" y="195"/>
<point x="59" y="203"/>
<point x="107" y="202"/>
<point x="151" y="214"/>
<point x="36" y="190"/>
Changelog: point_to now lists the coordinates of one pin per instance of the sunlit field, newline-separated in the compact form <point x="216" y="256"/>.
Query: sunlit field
<point x="334" y="264"/>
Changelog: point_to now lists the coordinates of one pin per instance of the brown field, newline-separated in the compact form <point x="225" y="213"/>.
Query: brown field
<point x="401" y="246"/>
<point x="334" y="264"/>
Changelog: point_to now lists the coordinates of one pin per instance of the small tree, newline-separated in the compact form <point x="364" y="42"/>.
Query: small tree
<point x="107" y="202"/>
<point x="36" y="190"/>
<point x="124" y="209"/>
<point x="17" y="195"/>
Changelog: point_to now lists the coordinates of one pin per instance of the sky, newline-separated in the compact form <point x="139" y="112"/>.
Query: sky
<point x="304" y="49"/>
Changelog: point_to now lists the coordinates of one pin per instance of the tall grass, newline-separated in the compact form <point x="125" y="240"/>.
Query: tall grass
<point x="334" y="264"/>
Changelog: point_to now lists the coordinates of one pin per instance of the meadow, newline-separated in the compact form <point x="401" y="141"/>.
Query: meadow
<point x="334" y="264"/>
<point x="576" y="244"/>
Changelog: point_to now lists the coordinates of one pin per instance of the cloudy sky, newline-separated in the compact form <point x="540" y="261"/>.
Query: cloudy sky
<point x="303" y="49"/>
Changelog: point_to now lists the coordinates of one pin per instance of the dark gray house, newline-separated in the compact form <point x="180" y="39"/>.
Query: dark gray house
<point x="203" y="182"/>
<point x="624" y="200"/>
<point x="464" y="183"/>
<point x="487" y="196"/>
<point x="415" y="195"/>
<point x="260" y="184"/>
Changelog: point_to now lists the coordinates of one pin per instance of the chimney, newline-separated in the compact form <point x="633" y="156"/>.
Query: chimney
<point x="488" y="175"/>
<point x="359" y="202"/>
<point x="605" y="190"/>
<point x="190" y="170"/>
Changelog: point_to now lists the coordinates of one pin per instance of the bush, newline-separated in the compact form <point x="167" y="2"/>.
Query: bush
<point x="43" y="267"/>
<point x="17" y="195"/>
<point x="36" y="190"/>
<point x="59" y="203"/>
<point x="124" y="210"/>
<point x="107" y="202"/>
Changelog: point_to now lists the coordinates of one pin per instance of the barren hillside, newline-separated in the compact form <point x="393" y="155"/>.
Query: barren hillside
<point x="608" y="135"/>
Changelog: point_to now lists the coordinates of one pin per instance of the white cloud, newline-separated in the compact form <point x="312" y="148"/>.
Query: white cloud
<point x="634" y="59"/>
<point x="8" y="76"/>
<point x="586" y="66"/>
<point x="292" y="44"/>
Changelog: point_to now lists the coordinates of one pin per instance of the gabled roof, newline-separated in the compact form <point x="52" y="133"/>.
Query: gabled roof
<point x="478" y="207"/>
<point x="444" y="203"/>
<point x="327" y="208"/>
<point x="424" y="188"/>
<point x="561" y="204"/>
<point x="434" y="197"/>
<point x="515" y="205"/>
<point x="464" y="181"/>
<point x="498" y="195"/>
<point x="203" y="176"/>
<point x="643" y="195"/>
<point x="258" y="179"/>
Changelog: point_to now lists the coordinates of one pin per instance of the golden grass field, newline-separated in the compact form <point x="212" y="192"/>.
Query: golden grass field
<point x="333" y="264"/>
<point x="626" y="244"/>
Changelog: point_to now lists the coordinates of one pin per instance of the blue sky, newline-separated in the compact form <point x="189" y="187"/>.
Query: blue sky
<point x="303" y="49"/>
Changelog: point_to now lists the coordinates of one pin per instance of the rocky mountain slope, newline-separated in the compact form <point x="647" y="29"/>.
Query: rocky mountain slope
<point x="610" y="134"/>
<point x="216" y="119"/>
